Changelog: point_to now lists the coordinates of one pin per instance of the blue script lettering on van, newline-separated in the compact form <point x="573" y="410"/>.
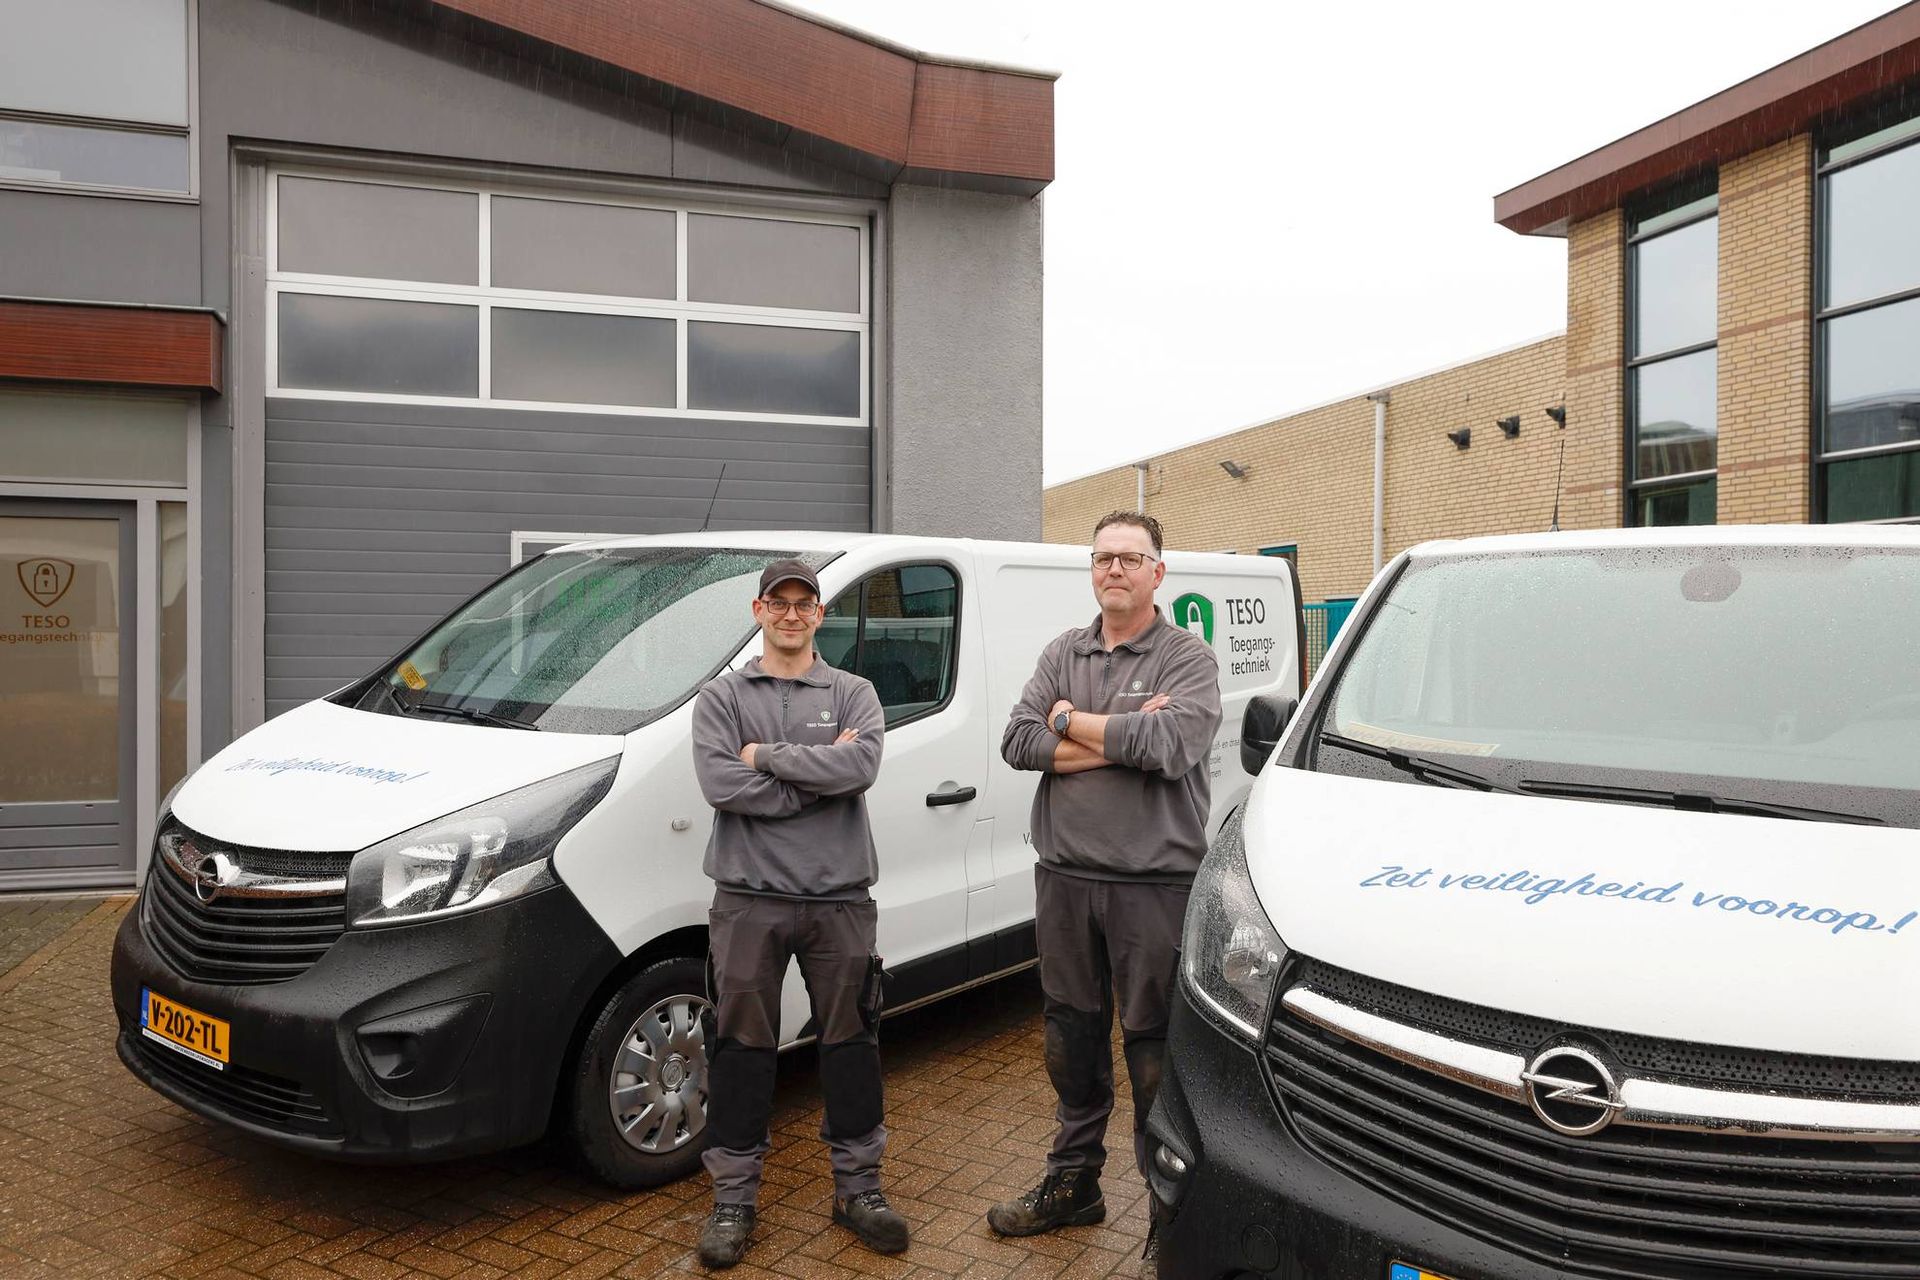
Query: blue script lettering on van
<point x="339" y="768"/>
<point x="1534" y="890"/>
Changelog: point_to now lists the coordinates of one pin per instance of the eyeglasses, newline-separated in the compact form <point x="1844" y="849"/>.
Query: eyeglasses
<point x="799" y="608"/>
<point x="1129" y="560"/>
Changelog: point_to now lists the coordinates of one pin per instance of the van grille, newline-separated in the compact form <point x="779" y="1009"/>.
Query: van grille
<point x="1623" y="1202"/>
<point x="241" y="941"/>
<point x="270" y="1100"/>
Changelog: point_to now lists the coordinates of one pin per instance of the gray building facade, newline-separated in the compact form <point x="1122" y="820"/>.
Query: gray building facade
<point x="315" y="316"/>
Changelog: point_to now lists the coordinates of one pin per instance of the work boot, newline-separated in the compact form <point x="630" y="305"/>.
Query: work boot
<point x="723" y="1241"/>
<point x="868" y="1215"/>
<point x="1069" y="1198"/>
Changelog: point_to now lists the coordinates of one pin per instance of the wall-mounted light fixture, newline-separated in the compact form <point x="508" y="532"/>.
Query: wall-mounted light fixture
<point x="1557" y="412"/>
<point x="1509" y="426"/>
<point x="1461" y="438"/>
<point x="1234" y="469"/>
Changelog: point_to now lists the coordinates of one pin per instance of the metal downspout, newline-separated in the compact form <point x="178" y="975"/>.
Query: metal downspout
<point x="1380" y="399"/>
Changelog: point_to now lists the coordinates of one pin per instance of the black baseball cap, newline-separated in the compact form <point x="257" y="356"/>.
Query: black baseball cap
<point x="788" y="571"/>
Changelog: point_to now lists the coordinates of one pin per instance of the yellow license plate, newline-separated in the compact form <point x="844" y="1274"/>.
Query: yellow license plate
<point x="1401" y="1271"/>
<point x="198" y="1035"/>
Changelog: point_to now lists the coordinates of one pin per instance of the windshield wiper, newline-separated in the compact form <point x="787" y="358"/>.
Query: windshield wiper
<point x="476" y="715"/>
<point x="1693" y="801"/>
<point x="1428" y="771"/>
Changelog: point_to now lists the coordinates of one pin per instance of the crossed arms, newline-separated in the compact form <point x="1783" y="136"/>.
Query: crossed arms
<point x="778" y="779"/>
<point x="1168" y="735"/>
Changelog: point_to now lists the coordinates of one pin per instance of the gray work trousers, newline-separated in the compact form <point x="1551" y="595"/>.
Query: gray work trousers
<point x="1102" y="939"/>
<point x="751" y="941"/>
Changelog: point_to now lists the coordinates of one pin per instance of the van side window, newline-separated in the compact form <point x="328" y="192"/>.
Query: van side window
<point x="897" y="629"/>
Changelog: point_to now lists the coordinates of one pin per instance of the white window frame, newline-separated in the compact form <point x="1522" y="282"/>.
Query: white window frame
<point x="191" y="133"/>
<point x="485" y="297"/>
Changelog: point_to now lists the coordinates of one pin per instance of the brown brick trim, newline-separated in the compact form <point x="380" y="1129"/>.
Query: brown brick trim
<point x="830" y="83"/>
<point x="1772" y="322"/>
<point x="123" y="346"/>
<point x="1771" y="107"/>
<point x="1596" y="486"/>
<point x="1772" y="462"/>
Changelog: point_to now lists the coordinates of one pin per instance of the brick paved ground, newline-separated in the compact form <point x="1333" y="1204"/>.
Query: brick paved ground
<point x="101" y="1177"/>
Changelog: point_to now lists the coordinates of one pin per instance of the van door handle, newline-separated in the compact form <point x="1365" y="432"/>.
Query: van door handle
<point x="960" y="795"/>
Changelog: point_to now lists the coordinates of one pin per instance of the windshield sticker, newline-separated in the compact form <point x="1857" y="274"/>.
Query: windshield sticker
<point x="339" y="768"/>
<point x="1534" y="890"/>
<point x="411" y="674"/>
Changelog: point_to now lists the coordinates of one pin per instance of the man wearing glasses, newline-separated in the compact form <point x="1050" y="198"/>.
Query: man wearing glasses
<point x="785" y="749"/>
<point x="1118" y="718"/>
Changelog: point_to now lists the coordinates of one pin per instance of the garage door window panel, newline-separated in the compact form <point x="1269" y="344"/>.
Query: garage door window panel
<point x="336" y="343"/>
<point x="761" y="368"/>
<point x="573" y="357"/>
<point x="567" y="246"/>
<point x="766" y="262"/>
<point x="378" y="231"/>
<point x="527" y="300"/>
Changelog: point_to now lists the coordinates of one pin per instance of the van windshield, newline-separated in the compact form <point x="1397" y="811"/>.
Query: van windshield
<point x="1744" y="669"/>
<point x="599" y="640"/>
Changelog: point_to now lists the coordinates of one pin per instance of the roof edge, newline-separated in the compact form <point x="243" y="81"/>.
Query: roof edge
<point x="810" y="74"/>
<point x="1759" y="111"/>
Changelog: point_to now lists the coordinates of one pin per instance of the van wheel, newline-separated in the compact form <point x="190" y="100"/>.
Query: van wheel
<point x="639" y="1093"/>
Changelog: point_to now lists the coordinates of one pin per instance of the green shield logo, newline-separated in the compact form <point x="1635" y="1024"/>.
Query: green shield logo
<point x="1194" y="613"/>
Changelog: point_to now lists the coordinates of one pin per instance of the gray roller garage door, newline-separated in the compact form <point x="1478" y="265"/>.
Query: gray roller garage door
<point x="381" y="517"/>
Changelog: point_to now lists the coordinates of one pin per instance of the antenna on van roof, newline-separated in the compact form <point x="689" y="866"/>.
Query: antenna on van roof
<point x="715" y="498"/>
<point x="1558" y="413"/>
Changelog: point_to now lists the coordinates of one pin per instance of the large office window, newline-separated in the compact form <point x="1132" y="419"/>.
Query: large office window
<point x="385" y="289"/>
<point x="1673" y="364"/>
<point x="97" y="93"/>
<point x="1867" y="436"/>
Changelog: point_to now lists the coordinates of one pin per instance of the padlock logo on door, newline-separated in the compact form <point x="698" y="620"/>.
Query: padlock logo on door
<point x="45" y="579"/>
<point x="1194" y="612"/>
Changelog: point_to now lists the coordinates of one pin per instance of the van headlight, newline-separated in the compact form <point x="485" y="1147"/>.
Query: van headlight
<point x="1230" y="955"/>
<point x="497" y="849"/>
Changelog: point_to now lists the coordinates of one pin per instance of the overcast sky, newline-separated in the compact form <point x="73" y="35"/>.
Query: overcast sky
<point x="1263" y="206"/>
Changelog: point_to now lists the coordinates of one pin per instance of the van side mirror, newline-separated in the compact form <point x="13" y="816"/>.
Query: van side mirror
<point x="1261" y="727"/>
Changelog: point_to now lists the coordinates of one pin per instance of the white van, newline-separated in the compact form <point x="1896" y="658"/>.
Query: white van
<point x="1574" y="929"/>
<point x="462" y="898"/>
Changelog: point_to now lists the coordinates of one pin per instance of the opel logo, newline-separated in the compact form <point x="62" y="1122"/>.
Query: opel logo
<point x="1572" y="1091"/>
<point x="210" y="872"/>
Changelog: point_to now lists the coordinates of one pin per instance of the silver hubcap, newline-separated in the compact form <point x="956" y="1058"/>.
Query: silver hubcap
<point x="658" y="1090"/>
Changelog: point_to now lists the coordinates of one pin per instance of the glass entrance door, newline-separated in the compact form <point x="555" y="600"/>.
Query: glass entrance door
<point x="67" y="640"/>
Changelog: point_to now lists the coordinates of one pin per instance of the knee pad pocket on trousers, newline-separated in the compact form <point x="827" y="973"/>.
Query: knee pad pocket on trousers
<point x="850" y="1081"/>
<point x="1076" y="1046"/>
<point x="1146" y="1060"/>
<point x="741" y="1081"/>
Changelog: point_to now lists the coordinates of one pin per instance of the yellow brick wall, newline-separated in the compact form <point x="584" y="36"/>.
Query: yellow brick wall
<point x="1595" y="373"/>
<point x="1310" y="476"/>
<point x="1766" y="334"/>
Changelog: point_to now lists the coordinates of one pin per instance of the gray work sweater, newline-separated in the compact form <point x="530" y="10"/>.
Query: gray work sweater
<point x="1146" y="814"/>
<point x="795" y="822"/>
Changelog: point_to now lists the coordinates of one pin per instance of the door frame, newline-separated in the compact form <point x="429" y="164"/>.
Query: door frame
<point x="144" y="796"/>
<point x="125" y="802"/>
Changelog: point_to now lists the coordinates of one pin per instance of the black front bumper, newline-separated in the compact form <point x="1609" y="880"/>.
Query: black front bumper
<point x="1254" y="1203"/>
<point x="424" y="1041"/>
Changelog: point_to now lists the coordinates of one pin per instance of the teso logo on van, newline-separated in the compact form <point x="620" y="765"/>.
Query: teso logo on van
<point x="1194" y="612"/>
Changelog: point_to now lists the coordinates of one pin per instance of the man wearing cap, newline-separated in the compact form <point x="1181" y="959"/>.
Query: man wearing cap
<point x="1119" y="719"/>
<point x="785" y="749"/>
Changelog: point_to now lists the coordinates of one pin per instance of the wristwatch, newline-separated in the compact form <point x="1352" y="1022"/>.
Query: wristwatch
<point x="1061" y="721"/>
